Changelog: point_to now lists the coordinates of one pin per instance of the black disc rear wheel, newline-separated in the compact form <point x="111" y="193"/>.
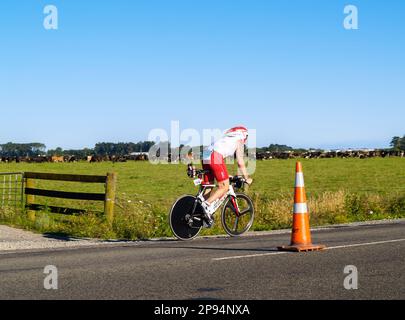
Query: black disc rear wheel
<point x="184" y="224"/>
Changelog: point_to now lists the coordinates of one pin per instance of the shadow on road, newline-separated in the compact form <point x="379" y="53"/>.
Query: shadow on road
<point x="66" y="237"/>
<point x="60" y="236"/>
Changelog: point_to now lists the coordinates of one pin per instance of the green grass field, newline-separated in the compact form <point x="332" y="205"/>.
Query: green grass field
<point x="338" y="190"/>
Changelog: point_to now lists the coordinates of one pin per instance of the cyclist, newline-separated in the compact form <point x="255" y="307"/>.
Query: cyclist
<point x="232" y="142"/>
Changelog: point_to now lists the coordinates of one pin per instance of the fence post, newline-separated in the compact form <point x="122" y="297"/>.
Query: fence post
<point x="30" y="199"/>
<point x="110" y="196"/>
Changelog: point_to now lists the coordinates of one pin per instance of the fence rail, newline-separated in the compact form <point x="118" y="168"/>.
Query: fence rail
<point x="65" y="195"/>
<point x="65" y="177"/>
<point x="108" y="197"/>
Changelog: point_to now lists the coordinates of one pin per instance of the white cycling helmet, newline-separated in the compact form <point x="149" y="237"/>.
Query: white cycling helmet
<point x="240" y="132"/>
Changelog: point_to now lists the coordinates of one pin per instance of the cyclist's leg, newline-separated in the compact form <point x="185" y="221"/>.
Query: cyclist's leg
<point x="223" y="187"/>
<point x="220" y="173"/>
<point x="209" y="179"/>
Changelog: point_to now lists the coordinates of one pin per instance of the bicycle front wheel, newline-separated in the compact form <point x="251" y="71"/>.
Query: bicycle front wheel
<point x="237" y="215"/>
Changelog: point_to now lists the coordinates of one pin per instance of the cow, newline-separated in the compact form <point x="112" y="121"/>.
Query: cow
<point x="93" y="159"/>
<point x="118" y="159"/>
<point x="56" y="159"/>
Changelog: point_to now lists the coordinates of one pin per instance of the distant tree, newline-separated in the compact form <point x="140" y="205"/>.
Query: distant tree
<point x="55" y="152"/>
<point x="121" y="148"/>
<point x="279" y="148"/>
<point x="398" y="143"/>
<point x="80" y="153"/>
<point x="302" y="150"/>
<point x="395" y="142"/>
<point x="402" y="144"/>
<point x="11" y="149"/>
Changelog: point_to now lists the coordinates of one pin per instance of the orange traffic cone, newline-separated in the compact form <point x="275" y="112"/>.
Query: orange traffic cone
<point x="301" y="234"/>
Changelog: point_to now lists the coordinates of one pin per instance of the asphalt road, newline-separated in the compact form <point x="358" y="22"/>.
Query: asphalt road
<point x="217" y="268"/>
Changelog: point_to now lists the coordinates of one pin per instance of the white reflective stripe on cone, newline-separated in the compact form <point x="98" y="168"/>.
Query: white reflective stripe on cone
<point x="300" y="208"/>
<point x="299" y="179"/>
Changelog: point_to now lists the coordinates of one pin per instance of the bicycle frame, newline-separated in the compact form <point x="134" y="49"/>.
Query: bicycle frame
<point x="218" y="203"/>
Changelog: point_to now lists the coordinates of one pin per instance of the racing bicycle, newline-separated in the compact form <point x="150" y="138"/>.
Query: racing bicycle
<point x="187" y="214"/>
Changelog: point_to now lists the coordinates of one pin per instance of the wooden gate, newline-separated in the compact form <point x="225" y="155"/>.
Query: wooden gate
<point x="108" y="197"/>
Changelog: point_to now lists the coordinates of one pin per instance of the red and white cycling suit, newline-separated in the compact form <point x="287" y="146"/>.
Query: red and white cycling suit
<point x="213" y="157"/>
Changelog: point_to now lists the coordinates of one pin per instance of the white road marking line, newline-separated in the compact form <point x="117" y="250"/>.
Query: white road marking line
<point x="251" y="256"/>
<point x="327" y="248"/>
<point x="364" y="244"/>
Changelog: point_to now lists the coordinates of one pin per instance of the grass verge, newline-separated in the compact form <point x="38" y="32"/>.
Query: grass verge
<point x="338" y="190"/>
<point x="140" y="220"/>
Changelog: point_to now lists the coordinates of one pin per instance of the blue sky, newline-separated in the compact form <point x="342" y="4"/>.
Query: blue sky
<point x="114" y="70"/>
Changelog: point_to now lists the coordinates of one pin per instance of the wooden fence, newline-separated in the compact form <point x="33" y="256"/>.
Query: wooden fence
<point x="108" y="197"/>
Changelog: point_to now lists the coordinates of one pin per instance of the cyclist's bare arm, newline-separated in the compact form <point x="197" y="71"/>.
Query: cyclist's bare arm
<point x="241" y="162"/>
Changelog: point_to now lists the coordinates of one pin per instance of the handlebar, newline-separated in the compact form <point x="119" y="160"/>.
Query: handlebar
<point x="237" y="181"/>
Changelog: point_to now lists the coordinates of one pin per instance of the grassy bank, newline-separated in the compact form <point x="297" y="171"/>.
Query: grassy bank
<point x="338" y="190"/>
